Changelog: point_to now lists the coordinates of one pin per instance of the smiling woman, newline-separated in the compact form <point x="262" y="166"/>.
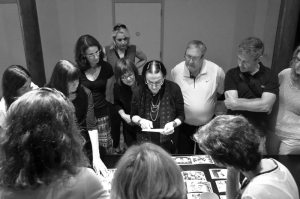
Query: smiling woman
<point x="158" y="103"/>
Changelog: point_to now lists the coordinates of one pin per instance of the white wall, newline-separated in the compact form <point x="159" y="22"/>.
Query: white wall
<point x="220" y="24"/>
<point x="11" y="43"/>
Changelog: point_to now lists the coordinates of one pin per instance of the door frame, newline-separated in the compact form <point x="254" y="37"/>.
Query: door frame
<point x="144" y="1"/>
<point x="31" y="39"/>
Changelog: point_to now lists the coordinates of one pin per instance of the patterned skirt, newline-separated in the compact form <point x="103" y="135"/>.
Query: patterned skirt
<point x="104" y="135"/>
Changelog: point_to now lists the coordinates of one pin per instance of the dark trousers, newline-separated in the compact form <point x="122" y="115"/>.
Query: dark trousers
<point x="115" y="121"/>
<point x="129" y="133"/>
<point x="186" y="144"/>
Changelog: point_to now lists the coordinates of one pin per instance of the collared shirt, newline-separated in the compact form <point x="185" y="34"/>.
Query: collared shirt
<point x="199" y="93"/>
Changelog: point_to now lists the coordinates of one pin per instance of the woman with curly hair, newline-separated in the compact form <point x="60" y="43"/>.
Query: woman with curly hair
<point x="41" y="151"/>
<point x="234" y="143"/>
<point x="97" y="75"/>
<point x="66" y="79"/>
<point x="16" y="81"/>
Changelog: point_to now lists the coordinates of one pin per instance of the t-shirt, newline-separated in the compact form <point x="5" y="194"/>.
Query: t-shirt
<point x="276" y="184"/>
<point x="288" y="117"/>
<point x="98" y="88"/>
<point x="84" y="185"/>
<point x="269" y="83"/>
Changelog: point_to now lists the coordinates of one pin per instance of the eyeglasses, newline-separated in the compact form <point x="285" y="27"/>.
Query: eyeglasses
<point x="157" y="83"/>
<point x="125" y="77"/>
<point x="296" y="59"/>
<point x="118" y="26"/>
<point x="195" y="59"/>
<point x="97" y="53"/>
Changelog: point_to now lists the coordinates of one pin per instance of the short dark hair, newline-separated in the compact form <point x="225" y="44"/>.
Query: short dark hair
<point x="149" y="171"/>
<point x="154" y="67"/>
<point x="82" y="44"/>
<point x="63" y="73"/>
<point x="123" y="66"/>
<point x="14" y="77"/>
<point x="231" y="140"/>
<point x="41" y="141"/>
<point x="252" y="46"/>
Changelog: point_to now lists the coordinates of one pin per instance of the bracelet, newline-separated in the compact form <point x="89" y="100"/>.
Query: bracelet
<point x="139" y="122"/>
<point x="174" y="124"/>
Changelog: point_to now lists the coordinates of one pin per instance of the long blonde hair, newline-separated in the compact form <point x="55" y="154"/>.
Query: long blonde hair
<point x="295" y="77"/>
<point x="121" y="30"/>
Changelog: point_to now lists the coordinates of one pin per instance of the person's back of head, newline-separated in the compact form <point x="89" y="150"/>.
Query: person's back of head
<point x="14" y="77"/>
<point x="230" y="141"/>
<point x="41" y="141"/>
<point x="147" y="171"/>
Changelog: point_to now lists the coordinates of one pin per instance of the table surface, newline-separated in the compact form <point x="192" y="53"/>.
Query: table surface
<point x="292" y="162"/>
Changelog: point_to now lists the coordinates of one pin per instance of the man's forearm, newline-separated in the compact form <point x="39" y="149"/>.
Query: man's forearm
<point x="253" y="105"/>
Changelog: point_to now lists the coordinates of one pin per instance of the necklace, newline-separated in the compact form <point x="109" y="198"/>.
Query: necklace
<point x="154" y="109"/>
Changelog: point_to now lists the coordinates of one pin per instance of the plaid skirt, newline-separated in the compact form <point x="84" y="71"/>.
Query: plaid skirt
<point x="104" y="135"/>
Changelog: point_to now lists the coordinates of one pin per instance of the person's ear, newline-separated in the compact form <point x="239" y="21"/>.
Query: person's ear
<point x="260" y="58"/>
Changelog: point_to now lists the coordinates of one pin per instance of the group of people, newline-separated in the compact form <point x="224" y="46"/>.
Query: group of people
<point x="50" y="134"/>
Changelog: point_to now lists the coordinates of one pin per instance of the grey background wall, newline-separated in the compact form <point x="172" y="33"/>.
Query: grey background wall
<point x="220" y="24"/>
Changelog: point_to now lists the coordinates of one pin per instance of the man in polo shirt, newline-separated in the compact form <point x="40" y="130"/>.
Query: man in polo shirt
<point x="200" y="81"/>
<point x="251" y="88"/>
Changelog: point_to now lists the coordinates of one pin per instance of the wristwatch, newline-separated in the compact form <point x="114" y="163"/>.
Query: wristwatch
<point x="174" y="124"/>
<point x="139" y="122"/>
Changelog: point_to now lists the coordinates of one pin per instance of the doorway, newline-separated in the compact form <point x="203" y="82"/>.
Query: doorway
<point x="144" y="22"/>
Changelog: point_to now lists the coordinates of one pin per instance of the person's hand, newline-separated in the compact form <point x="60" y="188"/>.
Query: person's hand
<point x="169" y="129"/>
<point x="72" y="96"/>
<point x="127" y="119"/>
<point x="100" y="167"/>
<point x="146" y="124"/>
<point x="230" y="101"/>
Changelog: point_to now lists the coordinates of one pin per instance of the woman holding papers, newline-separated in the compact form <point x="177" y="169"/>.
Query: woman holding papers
<point x="157" y="106"/>
<point x="127" y="77"/>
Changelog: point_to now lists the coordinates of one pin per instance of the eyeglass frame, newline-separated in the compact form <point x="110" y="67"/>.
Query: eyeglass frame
<point x="119" y="26"/>
<point x="94" y="54"/>
<point x="156" y="84"/>
<point x="193" y="58"/>
<point x="296" y="59"/>
<point x="123" y="77"/>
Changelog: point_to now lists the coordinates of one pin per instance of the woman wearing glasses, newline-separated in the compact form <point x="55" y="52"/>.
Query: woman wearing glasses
<point x="127" y="78"/>
<point x="97" y="76"/>
<point x="157" y="104"/>
<point x="120" y="47"/>
<point x="41" y="150"/>
<point x="66" y="79"/>
<point x="16" y="81"/>
<point x="285" y="137"/>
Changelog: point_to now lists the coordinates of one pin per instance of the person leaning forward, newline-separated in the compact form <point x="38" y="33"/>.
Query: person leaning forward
<point x="200" y="81"/>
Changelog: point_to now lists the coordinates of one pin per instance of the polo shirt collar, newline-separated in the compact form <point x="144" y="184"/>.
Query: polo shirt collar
<point x="186" y="72"/>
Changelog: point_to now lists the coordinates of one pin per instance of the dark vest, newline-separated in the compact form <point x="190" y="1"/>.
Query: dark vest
<point x="113" y="57"/>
